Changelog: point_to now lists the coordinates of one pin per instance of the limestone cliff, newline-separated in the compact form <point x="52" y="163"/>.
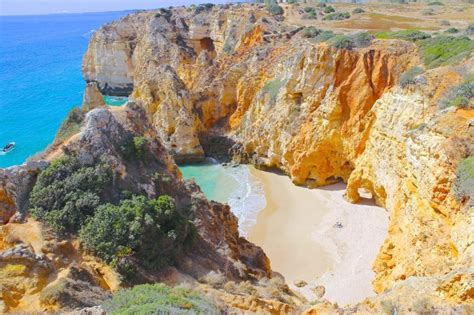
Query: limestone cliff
<point x="317" y="113"/>
<point x="43" y="270"/>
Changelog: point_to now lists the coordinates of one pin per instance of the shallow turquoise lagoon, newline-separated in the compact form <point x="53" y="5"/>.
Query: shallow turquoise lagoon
<point x="233" y="185"/>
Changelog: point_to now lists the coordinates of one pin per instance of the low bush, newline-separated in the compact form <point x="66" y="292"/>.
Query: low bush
<point x="115" y="231"/>
<point x="329" y="9"/>
<point x="464" y="188"/>
<point x="292" y="1"/>
<point x="470" y="29"/>
<point x="272" y="88"/>
<point x="411" y="35"/>
<point x="337" y="16"/>
<point x="164" y="12"/>
<point x="452" y="30"/>
<point x="445" y="23"/>
<point x="321" y="5"/>
<point x="275" y="10"/>
<point x="309" y="9"/>
<point x="311" y="32"/>
<point x="341" y="42"/>
<point x="428" y="12"/>
<point x="66" y="193"/>
<point x="203" y="7"/>
<point x="159" y="299"/>
<point x="435" y="3"/>
<point x="324" y="36"/>
<point x="70" y="126"/>
<point x="358" y="11"/>
<point x="361" y="39"/>
<point x="135" y="148"/>
<point x="443" y="49"/>
<point x="408" y="77"/>
<point x="312" y="15"/>
<point x="460" y="96"/>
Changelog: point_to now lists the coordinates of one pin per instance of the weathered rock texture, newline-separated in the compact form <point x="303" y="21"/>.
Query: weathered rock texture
<point x="43" y="271"/>
<point x="319" y="114"/>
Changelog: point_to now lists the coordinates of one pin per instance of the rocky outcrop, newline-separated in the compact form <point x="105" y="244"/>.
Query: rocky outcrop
<point x="45" y="271"/>
<point x="15" y="186"/>
<point x="92" y="97"/>
<point x="319" y="114"/>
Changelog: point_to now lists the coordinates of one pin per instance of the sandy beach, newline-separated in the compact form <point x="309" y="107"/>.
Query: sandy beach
<point x="315" y="235"/>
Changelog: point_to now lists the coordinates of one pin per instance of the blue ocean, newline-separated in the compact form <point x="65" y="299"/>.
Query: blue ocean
<point x="40" y="76"/>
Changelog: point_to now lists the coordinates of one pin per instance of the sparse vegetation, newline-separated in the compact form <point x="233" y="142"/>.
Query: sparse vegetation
<point x="324" y="36"/>
<point x="470" y="29"/>
<point x="275" y="9"/>
<point x="361" y="39"/>
<point x="428" y="12"/>
<point x="135" y="148"/>
<point x="409" y="77"/>
<point x="159" y="299"/>
<point x="272" y="88"/>
<point x="445" y="23"/>
<point x="460" y="96"/>
<point x="443" y="49"/>
<point x="338" y="16"/>
<point x="358" y="11"/>
<point x="329" y="9"/>
<point x="435" y="3"/>
<point x="341" y="42"/>
<point x="411" y="35"/>
<point x="452" y="30"/>
<point x="70" y="126"/>
<point x="464" y="188"/>
<point x="311" y="32"/>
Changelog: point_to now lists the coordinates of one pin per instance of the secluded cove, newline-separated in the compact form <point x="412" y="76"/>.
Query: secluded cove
<point x="313" y="235"/>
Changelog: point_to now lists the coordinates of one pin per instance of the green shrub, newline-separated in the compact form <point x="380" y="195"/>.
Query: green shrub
<point x="324" y="36"/>
<point x="203" y="7"/>
<point x="428" y="12"/>
<point x="66" y="193"/>
<point x="312" y="15"/>
<point x="361" y="39"/>
<point x="135" y="148"/>
<point x="337" y="16"/>
<point x="164" y="12"/>
<point x="311" y="32"/>
<point x="321" y="5"/>
<point x="442" y="50"/>
<point x="358" y="11"/>
<point x="408" y="77"/>
<point x="158" y="299"/>
<point x="129" y="227"/>
<point x="460" y="96"/>
<point x="272" y="88"/>
<point x="292" y="2"/>
<point x="70" y="126"/>
<point x="275" y="10"/>
<point x="329" y="9"/>
<point x="452" y="30"/>
<point x="435" y="3"/>
<point x="411" y="35"/>
<point x="341" y="42"/>
<point x="445" y="23"/>
<point x="309" y="9"/>
<point x="464" y="188"/>
<point x="470" y="29"/>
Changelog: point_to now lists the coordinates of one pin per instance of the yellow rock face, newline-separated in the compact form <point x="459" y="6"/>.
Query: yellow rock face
<point x="319" y="114"/>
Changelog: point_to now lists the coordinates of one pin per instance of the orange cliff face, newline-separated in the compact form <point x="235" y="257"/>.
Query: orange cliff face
<point x="317" y="113"/>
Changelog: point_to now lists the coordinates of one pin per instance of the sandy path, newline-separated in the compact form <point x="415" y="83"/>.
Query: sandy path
<point x="297" y="229"/>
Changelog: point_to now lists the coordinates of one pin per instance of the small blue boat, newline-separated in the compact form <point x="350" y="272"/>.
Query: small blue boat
<point x="10" y="146"/>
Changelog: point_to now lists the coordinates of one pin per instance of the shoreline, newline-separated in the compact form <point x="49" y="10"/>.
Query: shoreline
<point x="300" y="232"/>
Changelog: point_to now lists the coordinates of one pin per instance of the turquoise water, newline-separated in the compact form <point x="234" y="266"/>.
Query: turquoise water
<point x="233" y="185"/>
<point x="40" y="76"/>
<point x="115" y="100"/>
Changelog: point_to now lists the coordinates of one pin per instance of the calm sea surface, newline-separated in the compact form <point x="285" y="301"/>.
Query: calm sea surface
<point x="40" y="76"/>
